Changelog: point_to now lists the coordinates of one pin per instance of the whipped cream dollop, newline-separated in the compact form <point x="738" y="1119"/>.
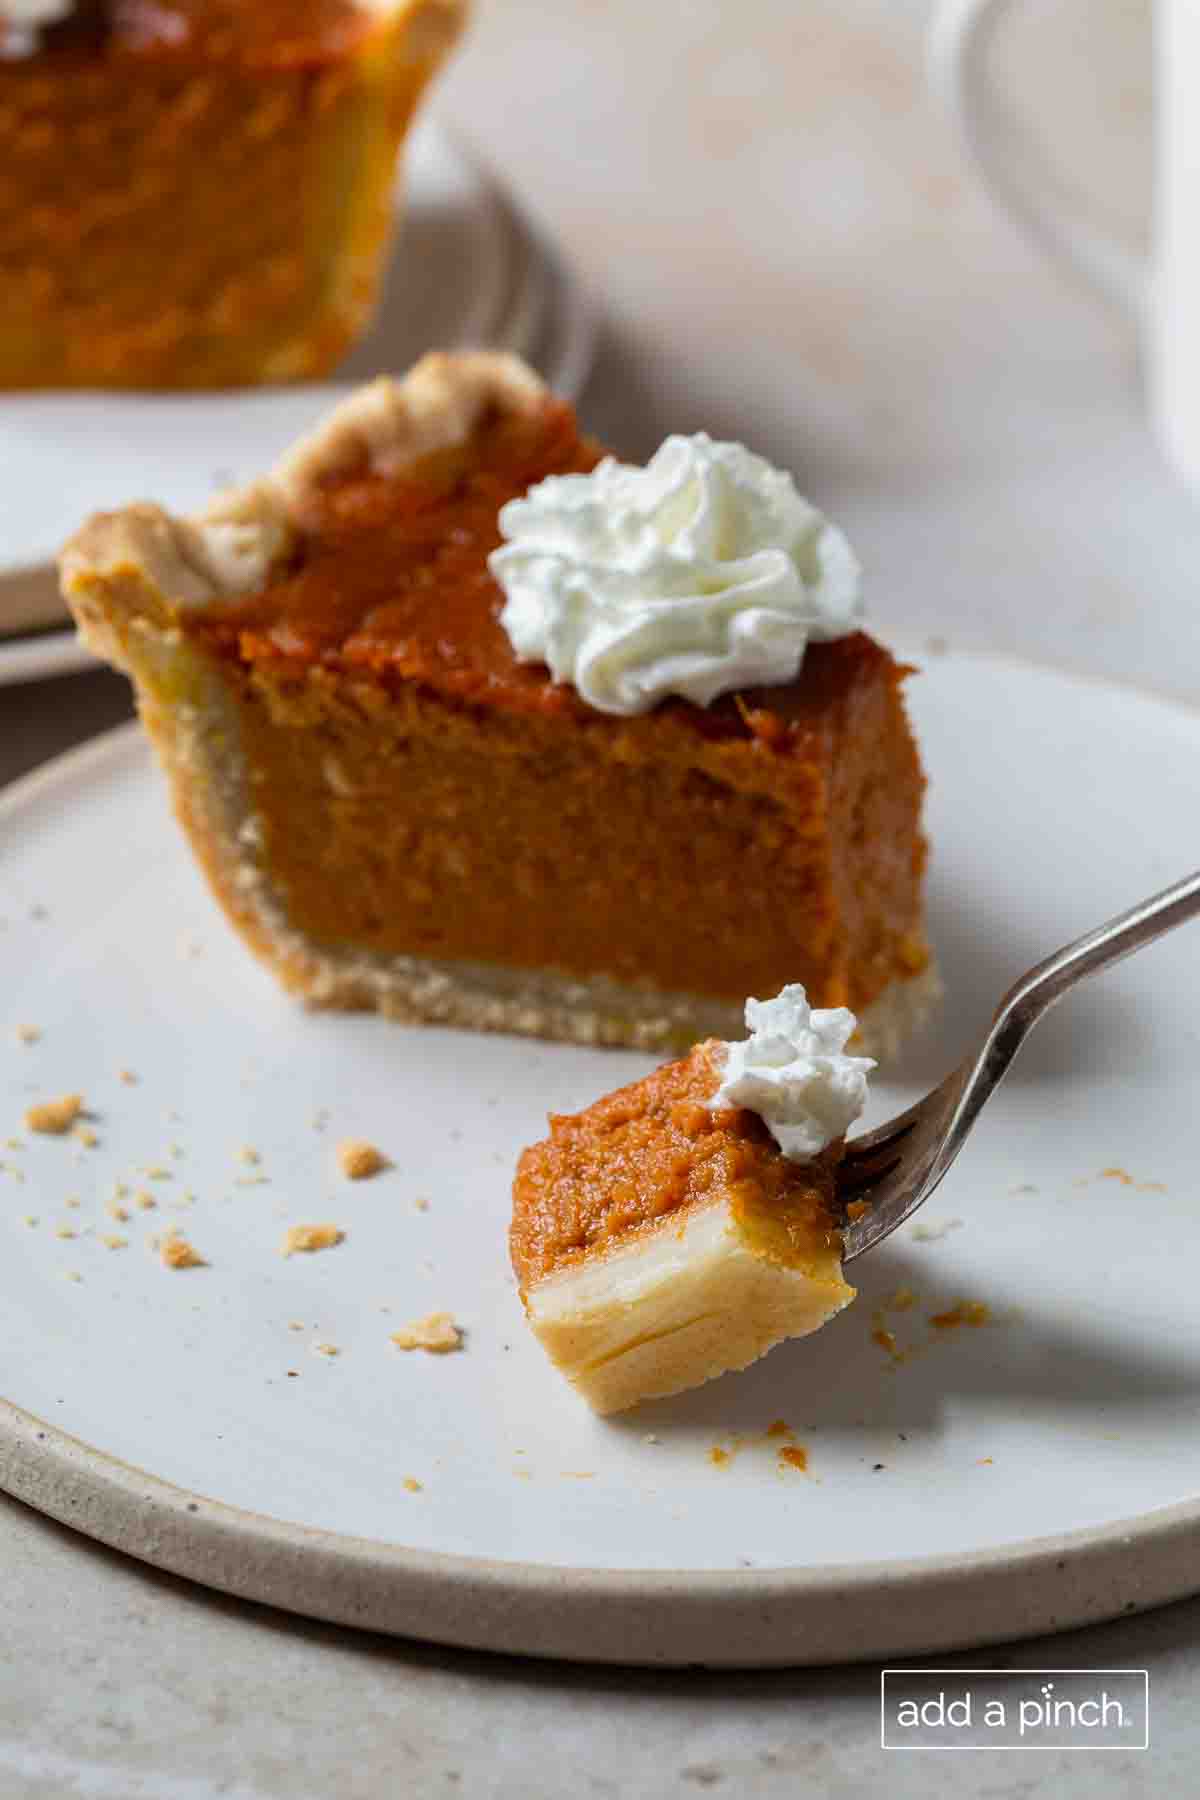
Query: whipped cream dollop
<point x="21" y="20"/>
<point x="703" y="572"/>
<point x="793" y="1072"/>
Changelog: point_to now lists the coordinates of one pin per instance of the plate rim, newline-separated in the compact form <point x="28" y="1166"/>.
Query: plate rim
<point x="744" y="1618"/>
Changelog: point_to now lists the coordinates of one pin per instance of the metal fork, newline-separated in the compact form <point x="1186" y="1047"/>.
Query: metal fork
<point x="889" y="1172"/>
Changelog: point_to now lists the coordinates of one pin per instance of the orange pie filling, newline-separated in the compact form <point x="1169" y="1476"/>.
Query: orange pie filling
<point x="658" y="1243"/>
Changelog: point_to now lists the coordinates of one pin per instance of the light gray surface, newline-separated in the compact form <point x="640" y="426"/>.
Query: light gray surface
<point x="129" y="1685"/>
<point x="792" y="255"/>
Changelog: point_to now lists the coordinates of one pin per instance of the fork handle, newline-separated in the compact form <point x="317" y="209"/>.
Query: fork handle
<point x="1056" y="975"/>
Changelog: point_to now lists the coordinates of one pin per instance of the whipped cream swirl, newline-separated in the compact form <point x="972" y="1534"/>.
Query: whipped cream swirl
<point x="21" y="21"/>
<point x="703" y="572"/>
<point x="793" y="1072"/>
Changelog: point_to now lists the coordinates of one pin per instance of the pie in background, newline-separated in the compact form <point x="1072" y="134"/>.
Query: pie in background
<point x="200" y="193"/>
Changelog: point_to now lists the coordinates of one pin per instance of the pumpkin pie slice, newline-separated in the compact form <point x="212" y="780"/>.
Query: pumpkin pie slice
<point x="200" y="193"/>
<point x="398" y="812"/>
<point x="658" y="1243"/>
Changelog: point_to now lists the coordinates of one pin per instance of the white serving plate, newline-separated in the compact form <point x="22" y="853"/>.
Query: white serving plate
<point x="1040" y="1470"/>
<point x="467" y="270"/>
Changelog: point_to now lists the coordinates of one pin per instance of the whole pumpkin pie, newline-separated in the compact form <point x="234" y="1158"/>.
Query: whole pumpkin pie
<point x="198" y="193"/>
<point x="665" y="1235"/>
<point x="400" y="809"/>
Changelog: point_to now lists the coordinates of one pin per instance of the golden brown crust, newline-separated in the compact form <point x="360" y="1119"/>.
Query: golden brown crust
<point x="149" y="561"/>
<point x="389" y="424"/>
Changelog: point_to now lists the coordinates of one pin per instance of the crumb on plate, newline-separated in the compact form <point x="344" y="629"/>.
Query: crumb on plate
<point x="54" y="1117"/>
<point x="358" y="1159"/>
<point x="436" y="1332"/>
<point x="310" y="1237"/>
<point x="174" y="1252"/>
<point x="966" y="1312"/>
<point x="27" y="1034"/>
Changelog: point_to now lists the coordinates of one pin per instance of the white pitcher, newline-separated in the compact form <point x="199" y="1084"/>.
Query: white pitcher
<point x="1162" y="296"/>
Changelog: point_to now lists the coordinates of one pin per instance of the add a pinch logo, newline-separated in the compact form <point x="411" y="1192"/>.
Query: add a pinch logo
<point x="1013" y="1709"/>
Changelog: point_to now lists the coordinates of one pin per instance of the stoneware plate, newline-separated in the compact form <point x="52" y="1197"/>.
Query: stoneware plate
<point x="1036" y="1468"/>
<point x="467" y="269"/>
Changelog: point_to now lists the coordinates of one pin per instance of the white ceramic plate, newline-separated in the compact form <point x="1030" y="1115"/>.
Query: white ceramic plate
<point x="1037" y="1470"/>
<point x="467" y="270"/>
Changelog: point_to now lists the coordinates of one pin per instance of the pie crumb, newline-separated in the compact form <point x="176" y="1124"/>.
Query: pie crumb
<point x="127" y="1078"/>
<point x="117" y="1212"/>
<point x="359" y="1159"/>
<point x="65" y="1231"/>
<point x="326" y="1350"/>
<point x="310" y="1237"/>
<point x="111" y="1241"/>
<point x="54" y="1117"/>
<point x="144" y="1200"/>
<point x="437" y="1333"/>
<point x="411" y="1486"/>
<point x="248" y="1154"/>
<point x="794" y="1457"/>
<point x="86" y="1136"/>
<point x="174" y="1252"/>
<point x="27" y="1034"/>
<point x="421" y="1203"/>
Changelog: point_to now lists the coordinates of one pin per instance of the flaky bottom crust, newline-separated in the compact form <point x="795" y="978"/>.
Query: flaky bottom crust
<point x="593" y="1010"/>
<point x="674" y="1308"/>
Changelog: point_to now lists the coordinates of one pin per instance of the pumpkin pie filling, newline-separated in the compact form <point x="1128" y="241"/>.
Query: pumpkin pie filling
<point x="398" y="813"/>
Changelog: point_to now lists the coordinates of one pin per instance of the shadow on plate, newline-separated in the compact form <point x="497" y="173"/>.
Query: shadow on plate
<point x="841" y="1383"/>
